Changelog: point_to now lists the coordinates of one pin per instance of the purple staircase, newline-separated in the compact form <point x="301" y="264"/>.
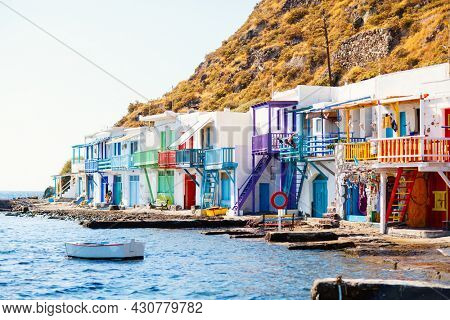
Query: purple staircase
<point x="250" y="183"/>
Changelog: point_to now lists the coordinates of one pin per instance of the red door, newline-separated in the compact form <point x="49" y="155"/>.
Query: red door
<point x="189" y="192"/>
<point x="447" y="122"/>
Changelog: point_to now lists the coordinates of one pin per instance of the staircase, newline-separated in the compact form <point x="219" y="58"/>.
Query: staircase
<point x="401" y="194"/>
<point x="209" y="187"/>
<point x="298" y="179"/>
<point x="249" y="184"/>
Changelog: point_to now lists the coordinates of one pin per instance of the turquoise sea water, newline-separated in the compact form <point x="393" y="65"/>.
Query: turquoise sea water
<point x="179" y="264"/>
<point x="7" y="195"/>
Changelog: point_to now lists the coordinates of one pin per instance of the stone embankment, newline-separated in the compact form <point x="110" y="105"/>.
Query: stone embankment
<point x="374" y="289"/>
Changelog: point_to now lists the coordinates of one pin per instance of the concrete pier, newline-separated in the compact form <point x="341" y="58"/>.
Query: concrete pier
<point x="362" y="289"/>
<point x="304" y="236"/>
<point x="165" y="224"/>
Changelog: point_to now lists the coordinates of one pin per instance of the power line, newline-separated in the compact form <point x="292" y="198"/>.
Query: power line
<point x="74" y="51"/>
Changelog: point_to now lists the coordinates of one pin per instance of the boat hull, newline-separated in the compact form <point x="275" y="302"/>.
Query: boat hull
<point x="122" y="251"/>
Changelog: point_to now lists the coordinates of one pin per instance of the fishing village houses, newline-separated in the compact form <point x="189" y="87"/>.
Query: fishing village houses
<point x="376" y="151"/>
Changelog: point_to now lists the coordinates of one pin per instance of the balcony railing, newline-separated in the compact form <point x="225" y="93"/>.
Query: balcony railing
<point x="190" y="158"/>
<point x="314" y="146"/>
<point x="360" y="151"/>
<point x="104" y="164"/>
<point x="146" y="158"/>
<point x="268" y="143"/>
<point x="123" y="162"/>
<point x="91" y="165"/>
<point x="413" y="149"/>
<point x="222" y="158"/>
<point x="167" y="159"/>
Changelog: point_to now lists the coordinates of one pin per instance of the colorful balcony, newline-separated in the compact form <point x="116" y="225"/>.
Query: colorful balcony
<point x="190" y="158"/>
<point x="123" y="162"/>
<point x="268" y="143"/>
<point x="360" y="151"/>
<point x="413" y="149"/>
<point x="146" y="158"/>
<point x="217" y="159"/>
<point x="91" y="166"/>
<point x="167" y="159"/>
<point x="104" y="164"/>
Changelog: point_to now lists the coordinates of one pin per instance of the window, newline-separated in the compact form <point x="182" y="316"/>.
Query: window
<point x="133" y="147"/>
<point x="278" y="119"/>
<point x="318" y="126"/>
<point x="294" y="120"/>
<point x="163" y="140"/>
<point x="440" y="201"/>
<point x="117" y="149"/>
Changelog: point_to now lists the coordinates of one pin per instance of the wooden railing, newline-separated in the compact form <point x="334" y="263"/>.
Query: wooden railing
<point x="167" y="159"/>
<point x="360" y="151"/>
<point x="123" y="162"/>
<point x="219" y="158"/>
<point x="268" y="143"/>
<point x="146" y="158"/>
<point x="190" y="158"/>
<point x="413" y="149"/>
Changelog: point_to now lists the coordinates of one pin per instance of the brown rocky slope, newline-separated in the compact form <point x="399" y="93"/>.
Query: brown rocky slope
<point x="282" y="45"/>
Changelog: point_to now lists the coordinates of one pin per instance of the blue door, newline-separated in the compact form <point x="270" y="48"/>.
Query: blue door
<point x="264" y="197"/>
<point x="117" y="190"/>
<point x="351" y="201"/>
<point x="402" y="124"/>
<point x="225" y="191"/>
<point x="320" y="196"/>
<point x="134" y="191"/>
<point x="104" y="189"/>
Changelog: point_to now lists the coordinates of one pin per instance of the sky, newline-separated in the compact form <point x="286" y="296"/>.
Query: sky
<point x="50" y="98"/>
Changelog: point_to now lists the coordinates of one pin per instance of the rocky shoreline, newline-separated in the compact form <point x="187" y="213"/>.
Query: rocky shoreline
<point x="356" y="240"/>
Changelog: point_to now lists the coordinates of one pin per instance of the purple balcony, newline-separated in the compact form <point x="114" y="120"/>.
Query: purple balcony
<point x="268" y="143"/>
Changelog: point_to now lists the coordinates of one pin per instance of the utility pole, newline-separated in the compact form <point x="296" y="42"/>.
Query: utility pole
<point x="327" y="43"/>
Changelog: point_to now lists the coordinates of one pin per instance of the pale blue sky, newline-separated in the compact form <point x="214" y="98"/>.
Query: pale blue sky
<point x="50" y="98"/>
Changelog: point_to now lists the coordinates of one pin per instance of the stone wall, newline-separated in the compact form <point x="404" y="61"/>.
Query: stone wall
<point x="365" y="47"/>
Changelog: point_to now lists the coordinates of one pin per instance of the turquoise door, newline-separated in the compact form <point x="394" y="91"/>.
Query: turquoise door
<point x="225" y="191"/>
<point x="134" y="190"/>
<point x="264" y="197"/>
<point x="402" y="124"/>
<point x="117" y="190"/>
<point x="320" y="197"/>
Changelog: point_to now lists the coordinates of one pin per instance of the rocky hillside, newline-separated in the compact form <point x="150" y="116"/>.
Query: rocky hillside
<point x="283" y="44"/>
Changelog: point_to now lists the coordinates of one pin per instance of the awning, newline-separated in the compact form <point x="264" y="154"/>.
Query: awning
<point x="92" y="143"/>
<point x="124" y="138"/>
<point x="400" y="99"/>
<point x="203" y="120"/>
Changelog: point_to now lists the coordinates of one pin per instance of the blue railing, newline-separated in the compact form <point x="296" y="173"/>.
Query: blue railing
<point x="190" y="158"/>
<point x="123" y="162"/>
<point x="216" y="159"/>
<point x="91" y="165"/>
<point x="313" y="146"/>
<point x="104" y="164"/>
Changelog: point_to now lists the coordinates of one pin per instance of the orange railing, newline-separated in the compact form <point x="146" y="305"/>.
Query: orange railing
<point x="414" y="149"/>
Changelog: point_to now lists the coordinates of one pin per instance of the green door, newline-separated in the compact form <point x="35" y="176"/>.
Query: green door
<point x="320" y="196"/>
<point x="117" y="190"/>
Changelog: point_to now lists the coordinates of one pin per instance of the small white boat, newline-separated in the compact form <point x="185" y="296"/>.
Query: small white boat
<point x="132" y="250"/>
